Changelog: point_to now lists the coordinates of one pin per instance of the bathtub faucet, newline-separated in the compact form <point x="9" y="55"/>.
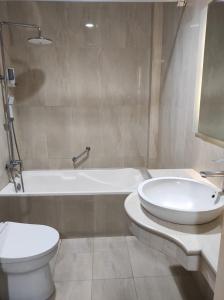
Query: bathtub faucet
<point x="206" y="174"/>
<point x="11" y="166"/>
<point x="84" y="154"/>
<point x="13" y="172"/>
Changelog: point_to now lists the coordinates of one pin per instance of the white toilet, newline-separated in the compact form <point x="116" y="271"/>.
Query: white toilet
<point x="25" y="253"/>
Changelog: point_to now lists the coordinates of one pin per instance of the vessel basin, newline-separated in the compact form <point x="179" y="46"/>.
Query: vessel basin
<point x="181" y="200"/>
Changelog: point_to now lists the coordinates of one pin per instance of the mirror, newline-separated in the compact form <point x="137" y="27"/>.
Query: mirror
<point x="211" y="115"/>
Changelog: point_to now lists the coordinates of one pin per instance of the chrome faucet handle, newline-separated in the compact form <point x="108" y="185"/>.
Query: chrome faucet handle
<point x="206" y="174"/>
<point x="219" y="160"/>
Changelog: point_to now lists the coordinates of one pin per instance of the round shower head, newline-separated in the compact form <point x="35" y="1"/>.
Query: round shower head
<point x="39" y="40"/>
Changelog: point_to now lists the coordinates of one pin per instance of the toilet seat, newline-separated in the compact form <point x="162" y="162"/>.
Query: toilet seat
<point x="23" y="242"/>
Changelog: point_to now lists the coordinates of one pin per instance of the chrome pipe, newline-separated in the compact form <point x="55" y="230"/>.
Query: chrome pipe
<point x="5" y="117"/>
<point x="9" y="23"/>
<point x="9" y="132"/>
<point x="17" y="24"/>
<point x="206" y="174"/>
<point x="13" y="180"/>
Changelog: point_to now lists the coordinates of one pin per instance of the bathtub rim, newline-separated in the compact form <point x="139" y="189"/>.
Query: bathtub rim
<point x="143" y="171"/>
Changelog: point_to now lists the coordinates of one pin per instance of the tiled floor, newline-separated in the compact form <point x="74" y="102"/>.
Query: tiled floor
<point x="118" y="268"/>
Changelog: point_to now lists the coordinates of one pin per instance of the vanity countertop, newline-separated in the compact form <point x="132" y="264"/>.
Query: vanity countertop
<point x="193" y="239"/>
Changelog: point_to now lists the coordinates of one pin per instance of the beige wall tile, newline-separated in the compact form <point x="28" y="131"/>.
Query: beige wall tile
<point x="178" y="146"/>
<point x="31" y="131"/>
<point x="77" y="216"/>
<point x="73" y="216"/>
<point x="35" y="210"/>
<point x="59" y="132"/>
<point x="91" y="86"/>
<point x="156" y="66"/>
<point x="110" y="217"/>
<point x="4" y="210"/>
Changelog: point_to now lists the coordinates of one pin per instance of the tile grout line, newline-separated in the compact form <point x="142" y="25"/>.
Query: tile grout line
<point x="118" y="278"/>
<point x="129" y="255"/>
<point x="93" y="240"/>
<point x="99" y="279"/>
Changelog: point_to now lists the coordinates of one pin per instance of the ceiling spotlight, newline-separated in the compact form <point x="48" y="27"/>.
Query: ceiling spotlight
<point x="89" y="25"/>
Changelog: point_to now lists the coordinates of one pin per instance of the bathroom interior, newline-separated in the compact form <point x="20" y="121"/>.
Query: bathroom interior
<point x="111" y="150"/>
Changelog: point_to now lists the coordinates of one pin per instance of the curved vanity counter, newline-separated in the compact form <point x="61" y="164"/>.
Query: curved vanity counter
<point x="195" y="247"/>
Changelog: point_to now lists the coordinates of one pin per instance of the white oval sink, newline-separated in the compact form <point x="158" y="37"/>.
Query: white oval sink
<point x="181" y="200"/>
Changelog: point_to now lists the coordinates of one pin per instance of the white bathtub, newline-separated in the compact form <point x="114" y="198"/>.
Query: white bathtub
<point x="78" y="182"/>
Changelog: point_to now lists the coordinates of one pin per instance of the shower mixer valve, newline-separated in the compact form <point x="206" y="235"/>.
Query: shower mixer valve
<point x="12" y="165"/>
<point x="13" y="172"/>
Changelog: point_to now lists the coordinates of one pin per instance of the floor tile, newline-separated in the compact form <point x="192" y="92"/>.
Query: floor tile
<point x="113" y="289"/>
<point x="74" y="260"/>
<point x="111" y="258"/>
<point x="77" y="245"/>
<point x="146" y="261"/>
<point x="167" y="288"/>
<point x="109" y="243"/>
<point x="102" y="267"/>
<point x="72" y="290"/>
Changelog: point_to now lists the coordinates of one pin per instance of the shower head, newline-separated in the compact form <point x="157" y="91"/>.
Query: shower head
<point x="39" y="40"/>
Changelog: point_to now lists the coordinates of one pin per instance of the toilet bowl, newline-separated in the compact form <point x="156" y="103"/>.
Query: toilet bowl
<point x="25" y="253"/>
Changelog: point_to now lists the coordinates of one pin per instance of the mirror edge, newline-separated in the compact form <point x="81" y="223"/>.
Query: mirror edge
<point x="201" y="50"/>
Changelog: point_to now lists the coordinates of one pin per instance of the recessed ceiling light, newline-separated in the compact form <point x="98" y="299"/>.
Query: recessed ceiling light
<point x="89" y="25"/>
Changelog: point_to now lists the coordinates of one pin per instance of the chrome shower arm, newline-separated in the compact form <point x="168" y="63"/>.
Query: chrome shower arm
<point x="39" y="39"/>
<point x="9" y="23"/>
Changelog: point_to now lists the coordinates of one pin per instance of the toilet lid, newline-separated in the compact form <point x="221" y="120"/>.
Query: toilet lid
<point x="20" y="241"/>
